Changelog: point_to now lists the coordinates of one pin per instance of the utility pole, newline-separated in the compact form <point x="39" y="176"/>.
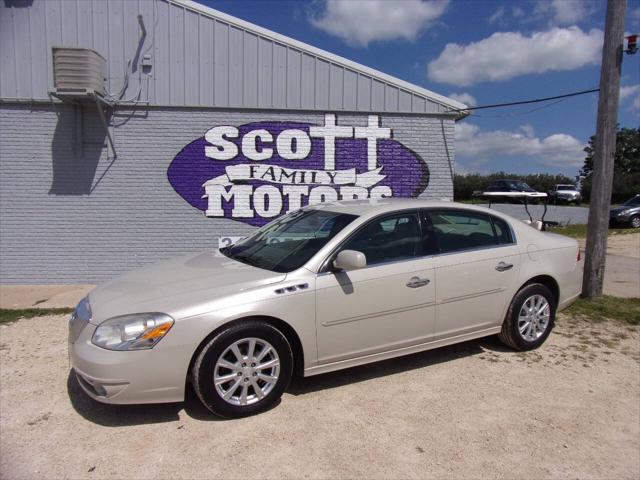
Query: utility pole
<point x="605" y="146"/>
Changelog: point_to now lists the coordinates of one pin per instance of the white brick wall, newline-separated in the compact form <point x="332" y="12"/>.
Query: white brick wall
<point x="97" y="217"/>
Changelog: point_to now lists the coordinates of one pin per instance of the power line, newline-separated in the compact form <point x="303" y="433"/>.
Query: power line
<point x="519" y="114"/>
<point x="523" y="102"/>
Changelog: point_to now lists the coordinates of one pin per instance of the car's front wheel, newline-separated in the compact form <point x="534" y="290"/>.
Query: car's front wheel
<point x="635" y="221"/>
<point x="530" y="318"/>
<point x="243" y="370"/>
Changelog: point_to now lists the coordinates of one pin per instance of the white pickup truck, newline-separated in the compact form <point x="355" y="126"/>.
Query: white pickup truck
<point x="565" y="193"/>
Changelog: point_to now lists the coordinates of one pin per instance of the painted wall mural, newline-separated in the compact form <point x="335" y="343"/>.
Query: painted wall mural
<point x="258" y="171"/>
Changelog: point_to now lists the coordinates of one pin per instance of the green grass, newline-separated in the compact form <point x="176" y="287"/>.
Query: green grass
<point x="580" y="231"/>
<point x="623" y="309"/>
<point x="9" y="315"/>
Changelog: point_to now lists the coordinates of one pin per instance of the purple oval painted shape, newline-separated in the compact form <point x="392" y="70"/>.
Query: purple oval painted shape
<point x="405" y="172"/>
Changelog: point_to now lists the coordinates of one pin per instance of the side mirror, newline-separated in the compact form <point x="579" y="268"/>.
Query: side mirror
<point x="350" y="260"/>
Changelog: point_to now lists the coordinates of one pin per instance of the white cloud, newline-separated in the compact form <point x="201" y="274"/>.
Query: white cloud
<point x="505" y="55"/>
<point x="505" y="14"/>
<point x="550" y="12"/>
<point x="359" y="22"/>
<point x="629" y="91"/>
<point x="464" y="97"/>
<point x="563" y="12"/>
<point x="559" y="149"/>
<point x="630" y="95"/>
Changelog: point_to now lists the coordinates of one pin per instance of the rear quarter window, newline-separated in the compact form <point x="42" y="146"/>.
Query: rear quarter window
<point x="503" y="232"/>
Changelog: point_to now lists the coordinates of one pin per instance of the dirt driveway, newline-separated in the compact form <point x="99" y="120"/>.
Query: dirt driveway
<point x="568" y="410"/>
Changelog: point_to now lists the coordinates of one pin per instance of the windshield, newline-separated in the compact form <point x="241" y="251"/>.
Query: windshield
<point x="518" y="185"/>
<point x="566" y="187"/>
<point x="288" y="243"/>
<point x="633" y="201"/>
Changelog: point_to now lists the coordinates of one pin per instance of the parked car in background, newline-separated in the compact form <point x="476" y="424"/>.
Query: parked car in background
<point x="565" y="193"/>
<point x="323" y="288"/>
<point x="511" y="185"/>
<point x="627" y="214"/>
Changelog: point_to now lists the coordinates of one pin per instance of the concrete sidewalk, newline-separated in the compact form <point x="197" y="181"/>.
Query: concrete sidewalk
<point x="42" y="296"/>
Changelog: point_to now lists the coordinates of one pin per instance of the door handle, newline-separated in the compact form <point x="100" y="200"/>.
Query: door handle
<point x="501" y="267"/>
<point x="416" y="282"/>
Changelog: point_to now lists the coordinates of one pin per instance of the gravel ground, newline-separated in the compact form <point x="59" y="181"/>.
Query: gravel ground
<point x="568" y="410"/>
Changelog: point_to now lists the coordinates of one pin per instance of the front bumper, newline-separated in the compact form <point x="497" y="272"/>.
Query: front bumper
<point x="615" y="221"/>
<point x="157" y="375"/>
<point x="568" y="197"/>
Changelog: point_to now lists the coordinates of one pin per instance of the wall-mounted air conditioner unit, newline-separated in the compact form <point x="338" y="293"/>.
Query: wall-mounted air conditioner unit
<point x="80" y="70"/>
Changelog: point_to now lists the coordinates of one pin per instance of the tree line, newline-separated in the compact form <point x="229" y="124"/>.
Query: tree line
<point x="626" y="180"/>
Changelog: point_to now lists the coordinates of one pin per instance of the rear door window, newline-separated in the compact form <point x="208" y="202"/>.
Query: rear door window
<point x="457" y="230"/>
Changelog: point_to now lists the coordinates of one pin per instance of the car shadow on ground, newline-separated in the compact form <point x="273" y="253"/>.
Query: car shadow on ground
<point x="304" y="385"/>
<point x="128" y="415"/>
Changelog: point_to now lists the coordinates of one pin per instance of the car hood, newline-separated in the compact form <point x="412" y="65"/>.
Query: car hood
<point x="179" y="287"/>
<point x="623" y="209"/>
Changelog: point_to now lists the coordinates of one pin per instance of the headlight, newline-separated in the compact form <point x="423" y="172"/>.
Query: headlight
<point x="623" y="213"/>
<point x="132" y="332"/>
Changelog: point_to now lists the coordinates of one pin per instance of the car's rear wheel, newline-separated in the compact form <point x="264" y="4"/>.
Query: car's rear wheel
<point x="635" y="221"/>
<point x="243" y="370"/>
<point x="530" y="318"/>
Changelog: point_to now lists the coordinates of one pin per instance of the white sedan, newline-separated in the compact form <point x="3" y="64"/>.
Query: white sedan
<point x="324" y="288"/>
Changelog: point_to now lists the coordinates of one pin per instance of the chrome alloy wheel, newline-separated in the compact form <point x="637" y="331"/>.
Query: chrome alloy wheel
<point x="246" y="371"/>
<point x="533" y="319"/>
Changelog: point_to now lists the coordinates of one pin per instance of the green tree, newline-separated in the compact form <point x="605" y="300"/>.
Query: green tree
<point x="626" y="166"/>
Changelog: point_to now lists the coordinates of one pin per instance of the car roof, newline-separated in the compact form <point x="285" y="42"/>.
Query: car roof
<point x="374" y="206"/>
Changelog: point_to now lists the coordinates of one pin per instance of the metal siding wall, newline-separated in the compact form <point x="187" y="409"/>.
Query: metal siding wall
<point x="308" y="82"/>
<point x="7" y="54"/>
<point x="197" y="60"/>
<point x="128" y="215"/>
<point x="22" y="62"/>
<point x="40" y="57"/>
<point x="53" y="34"/>
<point x="161" y="66"/>
<point x="391" y="98"/>
<point x="364" y="93"/>
<point x="404" y="102"/>
<point x="236" y="40"/>
<point x="264" y="77"/>
<point x="336" y="84"/>
<point x="293" y="78"/>
<point x="176" y="55"/>
<point x="221" y="65"/>
<point x="322" y="84"/>
<point x="192" y="59"/>
<point x="279" y="75"/>
<point x="377" y="96"/>
<point x="207" y="59"/>
<point x="350" y="95"/>
<point x="250" y="69"/>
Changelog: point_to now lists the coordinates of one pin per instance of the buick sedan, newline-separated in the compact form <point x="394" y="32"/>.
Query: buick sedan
<point x="327" y="287"/>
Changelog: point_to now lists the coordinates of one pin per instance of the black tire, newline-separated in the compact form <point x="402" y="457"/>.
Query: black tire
<point x="205" y="363"/>
<point x="634" y="221"/>
<point x="510" y="334"/>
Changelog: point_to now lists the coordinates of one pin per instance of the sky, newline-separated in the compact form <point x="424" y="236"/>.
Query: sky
<point x="480" y="52"/>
